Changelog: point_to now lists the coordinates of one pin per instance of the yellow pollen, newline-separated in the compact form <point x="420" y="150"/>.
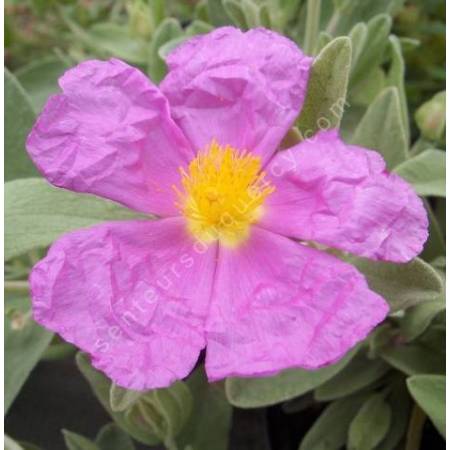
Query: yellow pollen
<point x="223" y="194"/>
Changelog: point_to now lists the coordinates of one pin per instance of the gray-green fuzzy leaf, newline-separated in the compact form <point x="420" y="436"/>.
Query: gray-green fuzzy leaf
<point x="370" y="424"/>
<point x="25" y="342"/>
<point x="37" y="213"/>
<point x="40" y="79"/>
<point x="426" y="172"/>
<point x="75" y="441"/>
<point x="429" y="393"/>
<point x="402" y="285"/>
<point x="256" y="392"/>
<point x="382" y="129"/>
<point x="111" y="437"/>
<point x="358" y="374"/>
<point x="327" y="89"/>
<point x="209" y="424"/>
<point x="329" y="431"/>
<point x="19" y="118"/>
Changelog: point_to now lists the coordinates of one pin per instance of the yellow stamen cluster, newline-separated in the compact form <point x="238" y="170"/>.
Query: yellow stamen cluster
<point x="223" y="194"/>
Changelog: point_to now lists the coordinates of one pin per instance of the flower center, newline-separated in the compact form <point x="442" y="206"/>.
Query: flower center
<point x="223" y="194"/>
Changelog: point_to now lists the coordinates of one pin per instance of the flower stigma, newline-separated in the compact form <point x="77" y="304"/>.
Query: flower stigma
<point x="222" y="195"/>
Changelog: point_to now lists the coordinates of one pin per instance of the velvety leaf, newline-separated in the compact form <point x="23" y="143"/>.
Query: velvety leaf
<point x="25" y="342"/>
<point x="121" y="399"/>
<point x="381" y="128"/>
<point x="366" y="91"/>
<point x="111" y="437"/>
<point x="168" y="30"/>
<point x="371" y="54"/>
<point x="234" y="10"/>
<point x="402" y="285"/>
<point x="75" y="441"/>
<point x="19" y="118"/>
<point x="429" y="393"/>
<point x="110" y="39"/>
<point x="101" y="386"/>
<point x="400" y="404"/>
<point x="37" y="213"/>
<point x="426" y="172"/>
<point x="396" y="78"/>
<point x="40" y="79"/>
<point x="352" y="12"/>
<point x="217" y="13"/>
<point x="370" y="424"/>
<point x="359" y="373"/>
<point x="415" y="359"/>
<point x="417" y="319"/>
<point x="430" y="117"/>
<point x="329" y="431"/>
<point x="326" y="97"/>
<point x="197" y="27"/>
<point x="167" y="410"/>
<point x="358" y="38"/>
<point x="209" y="424"/>
<point x="435" y="245"/>
<point x="256" y="392"/>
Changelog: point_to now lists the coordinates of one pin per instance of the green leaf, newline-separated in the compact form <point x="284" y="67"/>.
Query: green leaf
<point x="256" y="392"/>
<point x="40" y="79"/>
<point x="358" y="374"/>
<point x="426" y="172"/>
<point x="366" y="91"/>
<point x="75" y="441"/>
<point x="396" y="78"/>
<point x="37" y="213"/>
<point x="429" y="393"/>
<point x="430" y="117"/>
<point x="121" y="399"/>
<point x="235" y="11"/>
<point x="329" y="431"/>
<point x="413" y="359"/>
<point x="19" y="118"/>
<point x="217" y="13"/>
<point x="402" y="285"/>
<point x="352" y="12"/>
<point x="25" y="342"/>
<point x="209" y="424"/>
<point x="167" y="410"/>
<point x="371" y="54"/>
<point x="435" y="245"/>
<point x="326" y="97"/>
<point x="417" y="319"/>
<point x="370" y="424"/>
<point x="381" y="128"/>
<point x="400" y="404"/>
<point x="111" y="437"/>
<point x="358" y="38"/>
<point x="168" y="30"/>
<point x="101" y="386"/>
<point x="110" y="39"/>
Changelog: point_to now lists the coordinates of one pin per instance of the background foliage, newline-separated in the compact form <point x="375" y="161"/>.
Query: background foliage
<point x="385" y="58"/>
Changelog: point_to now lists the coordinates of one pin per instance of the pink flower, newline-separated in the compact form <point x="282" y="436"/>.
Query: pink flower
<point x="221" y="268"/>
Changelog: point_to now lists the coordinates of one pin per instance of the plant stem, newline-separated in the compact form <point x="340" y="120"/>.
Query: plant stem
<point x="312" y="25"/>
<point x="416" y="423"/>
<point x="16" y="286"/>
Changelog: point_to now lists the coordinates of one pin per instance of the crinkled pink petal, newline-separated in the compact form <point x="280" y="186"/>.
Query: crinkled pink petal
<point x="110" y="133"/>
<point x="342" y="196"/>
<point x="134" y="295"/>
<point x="243" y="89"/>
<point x="278" y="304"/>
